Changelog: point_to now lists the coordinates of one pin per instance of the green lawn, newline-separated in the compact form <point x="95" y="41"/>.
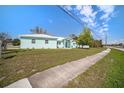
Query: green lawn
<point x="18" y="64"/>
<point x="108" y="73"/>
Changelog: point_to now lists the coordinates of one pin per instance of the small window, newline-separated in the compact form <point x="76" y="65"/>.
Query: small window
<point x="33" y="41"/>
<point x="59" y="42"/>
<point x="46" y="41"/>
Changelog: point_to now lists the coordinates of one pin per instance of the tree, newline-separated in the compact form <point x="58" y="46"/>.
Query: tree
<point x="16" y="42"/>
<point x="38" y="30"/>
<point x="4" y="37"/>
<point x="85" y="38"/>
<point x="97" y="43"/>
<point x="73" y="36"/>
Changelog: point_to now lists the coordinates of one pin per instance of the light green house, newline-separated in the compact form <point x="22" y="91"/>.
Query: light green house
<point x="38" y="41"/>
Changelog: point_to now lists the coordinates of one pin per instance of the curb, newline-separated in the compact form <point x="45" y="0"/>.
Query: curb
<point x="23" y="83"/>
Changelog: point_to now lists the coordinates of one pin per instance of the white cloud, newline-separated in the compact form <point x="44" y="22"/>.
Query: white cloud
<point x="88" y="15"/>
<point x="105" y="29"/>
<point x="88" y="11"/>
<point x="85" y="13"/>
<point x="79" y="7"/>
<point x="89" y="22"/>
<point x="107" y="11"/>
<point x="105" y="24"/>
<point x="102" y="31"/>
<point x="68" y="7"/>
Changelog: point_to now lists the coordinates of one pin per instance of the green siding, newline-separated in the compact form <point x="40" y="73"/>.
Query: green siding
<point x="52" y="43"/>
<point x="39" y="43"/>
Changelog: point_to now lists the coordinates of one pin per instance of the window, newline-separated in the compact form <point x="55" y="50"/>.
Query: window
<point x="59" y="42"/>
<point x="33" y="41"/>
<point x="46" y="41"/>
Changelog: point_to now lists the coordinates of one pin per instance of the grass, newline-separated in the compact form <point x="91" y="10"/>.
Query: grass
<point x="107" y="73"/>
<point x="18" y="64"/>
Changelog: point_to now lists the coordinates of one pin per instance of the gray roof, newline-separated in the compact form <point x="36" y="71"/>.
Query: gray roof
<point x="39" y="36"/>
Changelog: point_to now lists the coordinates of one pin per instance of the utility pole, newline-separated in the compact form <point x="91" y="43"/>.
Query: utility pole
<point x="106" y="38"/>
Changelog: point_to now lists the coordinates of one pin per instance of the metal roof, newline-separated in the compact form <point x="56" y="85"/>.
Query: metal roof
<point x="39" y="36"/>
<point x="44" y="36"/>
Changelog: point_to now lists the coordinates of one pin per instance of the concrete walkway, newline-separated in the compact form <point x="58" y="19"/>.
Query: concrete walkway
<point x="23" y="83"/>
<point x="60" y="75"/>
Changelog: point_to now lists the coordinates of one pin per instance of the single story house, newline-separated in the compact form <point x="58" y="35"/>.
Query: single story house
<point x="38" y="41"/>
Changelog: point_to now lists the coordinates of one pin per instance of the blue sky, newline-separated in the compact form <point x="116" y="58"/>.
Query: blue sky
<point x="18" y="20"/>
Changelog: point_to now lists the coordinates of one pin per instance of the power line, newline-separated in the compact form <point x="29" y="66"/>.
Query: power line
<point x="96" y="34"/>
<point x="76" y="18"/>
<point x="71" y="15"/>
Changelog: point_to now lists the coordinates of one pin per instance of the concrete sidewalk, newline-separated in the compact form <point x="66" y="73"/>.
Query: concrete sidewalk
<point x="60" y="75"/>
<point x="23" y="83"/>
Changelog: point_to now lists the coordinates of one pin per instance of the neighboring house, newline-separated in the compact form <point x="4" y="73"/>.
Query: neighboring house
<point x="45" y="41"/>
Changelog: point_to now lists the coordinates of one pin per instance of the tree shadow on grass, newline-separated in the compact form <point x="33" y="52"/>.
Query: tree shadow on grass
<point x="8" y="57"/>
<point x="7" y="54"/>
<point x="12" y="51"/>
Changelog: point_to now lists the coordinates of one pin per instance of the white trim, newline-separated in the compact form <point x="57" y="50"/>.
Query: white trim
<point x="38" y="36"/>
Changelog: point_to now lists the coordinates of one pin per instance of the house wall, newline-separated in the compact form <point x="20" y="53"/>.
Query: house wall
<point x="64" y="44"/>
<point x="73" y="44"/>
<point x="39" y="43"/>
<point x="60" y="44"/>
<point x="67" y="44"/>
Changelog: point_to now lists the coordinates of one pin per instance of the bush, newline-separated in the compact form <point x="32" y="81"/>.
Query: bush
<point x="16" y="42"/>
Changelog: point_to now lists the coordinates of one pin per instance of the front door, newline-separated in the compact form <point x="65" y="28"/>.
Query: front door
<point x="67" y="45"/>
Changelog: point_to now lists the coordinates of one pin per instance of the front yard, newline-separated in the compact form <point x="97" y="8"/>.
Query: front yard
<point x="18" y="64"/>
<point x="107" y="73"/>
